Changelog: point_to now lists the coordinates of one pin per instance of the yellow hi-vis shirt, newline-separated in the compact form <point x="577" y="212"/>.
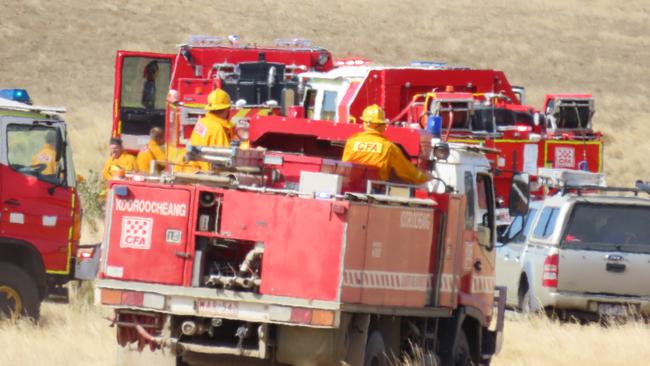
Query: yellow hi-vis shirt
<point x="212" y="131"/>
<point x="46" y="156"/>
<point x="209" y="131"/>
<point x="371" y="148"/>
<point x="152" y="151"/>
<point x="125" y="162"/>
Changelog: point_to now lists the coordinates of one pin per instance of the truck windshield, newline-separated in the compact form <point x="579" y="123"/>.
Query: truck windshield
<point x="486" y="119"/>
<point x="570" y="117"/>
<point x="600" y="226"/>
<point x="36" y="150"/>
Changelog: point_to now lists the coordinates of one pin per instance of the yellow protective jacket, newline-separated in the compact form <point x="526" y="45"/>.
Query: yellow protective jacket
<point x="212" y="131"/>
<point x="371" y="148"/>
<point x="209" y="131"/>
<point x="125" y="162"/>
<point x="152" y="151"/>
<point x="47" y="156"/>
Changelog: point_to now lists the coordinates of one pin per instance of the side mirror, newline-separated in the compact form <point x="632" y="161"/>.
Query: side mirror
<point x="519" y="194"/>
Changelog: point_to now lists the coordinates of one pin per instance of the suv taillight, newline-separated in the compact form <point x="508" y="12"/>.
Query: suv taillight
<point x="551" y="271"/>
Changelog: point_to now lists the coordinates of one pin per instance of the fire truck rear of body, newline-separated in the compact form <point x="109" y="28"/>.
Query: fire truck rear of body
<point x="211" y="269"/>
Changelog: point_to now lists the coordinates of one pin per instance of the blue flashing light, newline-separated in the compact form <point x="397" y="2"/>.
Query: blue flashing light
<point x="121" y="191"/>
<point x="434" y="125"/>
<point x="17" y="95"/>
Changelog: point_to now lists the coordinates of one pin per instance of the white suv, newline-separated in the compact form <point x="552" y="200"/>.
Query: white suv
<point x="579" y="254"/>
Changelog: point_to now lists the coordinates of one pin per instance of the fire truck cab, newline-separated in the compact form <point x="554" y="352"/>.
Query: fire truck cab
<point x="169" y="90"/>
<point x="41" y="216"/>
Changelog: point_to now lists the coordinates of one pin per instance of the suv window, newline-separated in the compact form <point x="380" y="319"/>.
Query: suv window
<point x="35" y="150"/>
<point x="515" y="232"/>
<point x="600" y="226"/>
<point x="546" y="223"/>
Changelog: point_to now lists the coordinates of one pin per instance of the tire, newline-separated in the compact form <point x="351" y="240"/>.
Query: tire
<point x="525" y="300"/>
<point x="461" y="352"/>
<point x="18" y="293"/>
<point x="375" y="354"/>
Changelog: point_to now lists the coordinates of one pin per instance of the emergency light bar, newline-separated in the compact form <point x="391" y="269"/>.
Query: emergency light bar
<point x="574" y="178"/>
<point x="18" y="106"/>
<point x="355" y="61"/>
<point x="17" y="95"/>
<point x="430" y="64"/>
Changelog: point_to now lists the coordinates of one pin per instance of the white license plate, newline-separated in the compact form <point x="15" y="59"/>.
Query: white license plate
<point x="222" y="308"/>
<point x="613" y="309"/>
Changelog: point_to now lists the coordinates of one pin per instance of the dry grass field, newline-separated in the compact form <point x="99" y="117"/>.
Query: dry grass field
<point x="79" y="336"/>
<point x="63" y="52"/>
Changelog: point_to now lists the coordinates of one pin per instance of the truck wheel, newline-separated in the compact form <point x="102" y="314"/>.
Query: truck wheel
<point x="461" y="352"/>
<point x="18" y="293"/>
<point x="375" y="351"/>
<point x="525" y="299"/>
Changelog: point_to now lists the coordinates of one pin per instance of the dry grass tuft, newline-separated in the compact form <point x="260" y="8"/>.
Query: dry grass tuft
<point x="539" y="341"/>
<point x="66" y="335"/>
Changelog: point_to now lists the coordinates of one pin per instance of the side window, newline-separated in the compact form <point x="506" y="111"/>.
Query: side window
<point x="35" y="150"/>
<point x="515" y="228"/>
<point x="546" y="223"/>
<point x="469" y="207"/>
<point x="145" y="82"/>
<point x="328" y="111"/>
<point x="310" y="101"/>
<point x="529" y="221"/>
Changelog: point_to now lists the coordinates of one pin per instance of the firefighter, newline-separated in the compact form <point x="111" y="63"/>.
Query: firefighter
<point x="47" y="155"/>
<point x="372" y="148"/>
<point x="154" y="150"/>
<point x="119" y="161"/>
<point x="149" y="88"/>
<point x="213" y="130"/>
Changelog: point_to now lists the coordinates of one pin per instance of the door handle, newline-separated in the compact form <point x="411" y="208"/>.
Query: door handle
<point x="12" y="202"/>
<point x="183" y="255"/>
<point x="615" y="267"/>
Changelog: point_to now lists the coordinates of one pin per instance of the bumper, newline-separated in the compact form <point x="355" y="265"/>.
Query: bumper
<point x="589" y="303"/>
<point x="211" y="303"/>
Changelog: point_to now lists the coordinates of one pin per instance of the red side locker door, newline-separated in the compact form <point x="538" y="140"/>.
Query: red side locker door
<point x="146" y="232"/>
<point x="36" y="202"/>
<point x="142" y="82"/>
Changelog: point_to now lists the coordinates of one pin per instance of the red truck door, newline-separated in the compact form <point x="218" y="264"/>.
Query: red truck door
<point x="142" y="82"/>
<point x="36" y="203"/>
<point x="148" y="229"/>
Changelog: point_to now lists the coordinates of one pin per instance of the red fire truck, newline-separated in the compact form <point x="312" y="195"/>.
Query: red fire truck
<point x="285" y="254"/>
<point x="41" y="216"/>
<point x="252" y="75"/>
<point x="469" y="106"/>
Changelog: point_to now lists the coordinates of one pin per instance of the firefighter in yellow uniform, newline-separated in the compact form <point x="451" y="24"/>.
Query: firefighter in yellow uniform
<point x="372" y="148"/>
<point x="213" y="130"/>
<point x="47" y="154"/>
<point x="153" y="151"/>
<point x="119" y="162"/>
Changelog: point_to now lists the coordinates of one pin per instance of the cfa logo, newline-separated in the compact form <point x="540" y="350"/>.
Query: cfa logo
<point x="136" y="233"/>
<point x="371" y="147"/>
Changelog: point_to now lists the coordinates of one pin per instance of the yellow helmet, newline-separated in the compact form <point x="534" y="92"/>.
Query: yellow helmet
<point x="374" y="114"/>
<point x="217" y="100"/>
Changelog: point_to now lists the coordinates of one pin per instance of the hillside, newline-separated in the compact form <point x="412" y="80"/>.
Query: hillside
<point x="63" y="51"/>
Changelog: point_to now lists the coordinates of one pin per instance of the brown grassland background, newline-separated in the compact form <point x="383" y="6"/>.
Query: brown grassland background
<point x="63" y="53"/>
